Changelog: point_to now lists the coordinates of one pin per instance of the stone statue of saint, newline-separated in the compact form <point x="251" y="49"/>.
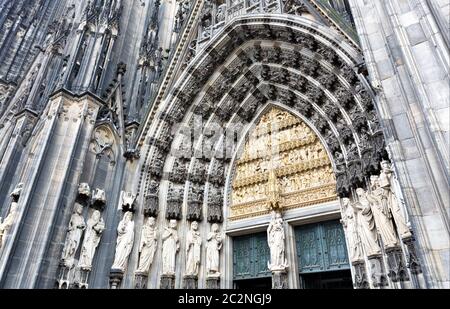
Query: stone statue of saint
<point x="387" y="183"/>
<point x="147" y="247"/>
<point x="381" y="214"/>
<point x="351" y="228"/>
<point x="193" y="250"/>
<point x="213" y="247"/>
<point x="366" y="224"/>
<point x="275" y="238"/>
<point x="124" y="243"/>
<point x="74" y="233"/>
<point x="92" y="236"/>
<point x="170" y="247"/>
<point x="6" y="225"/>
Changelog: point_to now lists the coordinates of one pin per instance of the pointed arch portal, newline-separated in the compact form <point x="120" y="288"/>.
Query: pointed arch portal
<point x="255" y="59"/>
<point x="194" y="165"/>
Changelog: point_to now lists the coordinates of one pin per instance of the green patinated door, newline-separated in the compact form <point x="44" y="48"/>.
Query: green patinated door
<point x="321" y="247"/>
<point x="250" y="256"/>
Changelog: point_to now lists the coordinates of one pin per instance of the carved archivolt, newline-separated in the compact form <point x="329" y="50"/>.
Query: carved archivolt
<point x="283" y="144"/>
<point x="255" y="60"/>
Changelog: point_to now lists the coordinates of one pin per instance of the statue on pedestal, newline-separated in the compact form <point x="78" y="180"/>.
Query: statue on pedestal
<point x="74" y="233"/>
<point x="124" y="243"/>
<point x="276" y="237"/>
<point x="366" y="224"/>
<point x="147" y="248"/>
<point x="213" y="247"/>
<point x="386" y="181"/>
<point x="92" y="236"/>
<point x="382" y="216"/>
<point x="193" y="250"/>
<point x="351" y="227"/>
<point x="170" y="247"/>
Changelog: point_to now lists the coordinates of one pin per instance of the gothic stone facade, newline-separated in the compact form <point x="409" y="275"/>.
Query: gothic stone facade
<point x="172" y="144"/>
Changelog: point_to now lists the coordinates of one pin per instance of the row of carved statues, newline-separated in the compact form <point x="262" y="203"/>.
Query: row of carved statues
<point x="170" y="244"/>
<point x="170" y="247"/>
<point x="374" y="215"/>
<point x="148" y="244"/>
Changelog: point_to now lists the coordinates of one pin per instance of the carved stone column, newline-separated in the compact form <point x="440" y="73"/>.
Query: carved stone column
<point x="190" y="282"/>
<point x="167" y="282"/>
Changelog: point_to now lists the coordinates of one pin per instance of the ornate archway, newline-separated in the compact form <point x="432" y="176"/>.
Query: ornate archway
<point x="298" y="63"/>
<point x="253" y="61"/>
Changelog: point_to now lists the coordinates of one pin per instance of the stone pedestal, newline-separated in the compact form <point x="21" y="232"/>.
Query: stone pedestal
<point x="167" y="282"/>
<point x="115" y="278"/>
<point x="63" y="281"/>
<point x="81" y="279"/>
<point x="140" y="280"/>
<point x="190" y="282"/>
<point x="279" y="279"/>
<point x="412" y="262"/>
<point x="397" y="269"/>
<point x="213" y="283"/>
<point x="360" y="281"/>
<point x="377" y="272"/>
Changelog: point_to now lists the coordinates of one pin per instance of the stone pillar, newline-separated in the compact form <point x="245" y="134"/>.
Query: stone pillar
<point x="167" y="282"/>
<point x="61" y="144"/>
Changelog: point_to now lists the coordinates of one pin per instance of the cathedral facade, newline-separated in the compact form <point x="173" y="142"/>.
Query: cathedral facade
<point x="224" y="144"/>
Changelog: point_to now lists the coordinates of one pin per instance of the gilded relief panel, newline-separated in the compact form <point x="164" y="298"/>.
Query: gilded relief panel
<point x="281" y="154"/>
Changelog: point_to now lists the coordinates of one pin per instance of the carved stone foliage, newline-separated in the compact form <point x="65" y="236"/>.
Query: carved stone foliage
<point x="217" y="175"/>
<point x="157" y="164"/>
<point x="198" y="174"/>
<point x="179" y="171"/>
<point x="215" y="204"/>
<point x="174" y="201"/>
<point x="151" y="204"/>
<point x="195" y="202"/>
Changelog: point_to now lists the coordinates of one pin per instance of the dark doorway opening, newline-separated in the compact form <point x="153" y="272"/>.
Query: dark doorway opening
<point x="327" y="280"/>
<point x="259" y="283"/>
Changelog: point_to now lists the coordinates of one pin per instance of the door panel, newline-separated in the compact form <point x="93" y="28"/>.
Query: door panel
<point x="309" y="245"/>
<point x="250" y="256"/>
<point x="321" y="247"/>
